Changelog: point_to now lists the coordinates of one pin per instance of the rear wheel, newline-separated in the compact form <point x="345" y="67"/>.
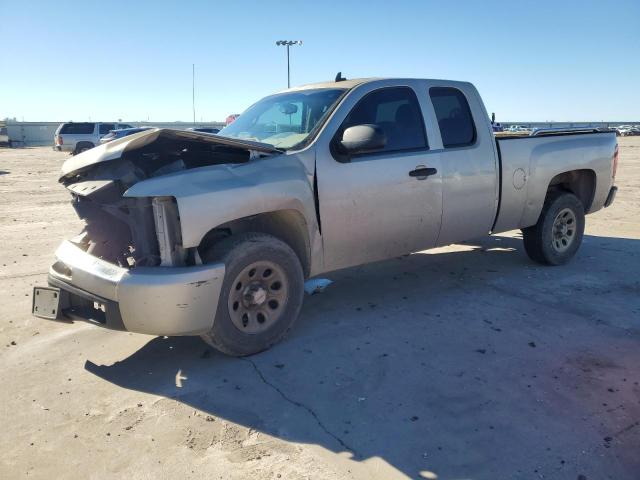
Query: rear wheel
<point x="555" y="239"/>
<point x="261" y="294"/>
<point x="83" y="147"/>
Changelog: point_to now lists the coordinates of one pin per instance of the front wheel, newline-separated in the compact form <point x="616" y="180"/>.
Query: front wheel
<point x="555" y="239"/>
<point x="261" y="294"/>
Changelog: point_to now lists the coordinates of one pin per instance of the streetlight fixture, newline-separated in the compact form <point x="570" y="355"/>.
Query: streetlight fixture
<point x="193" y="91"/>
<point x="288" y="43"/>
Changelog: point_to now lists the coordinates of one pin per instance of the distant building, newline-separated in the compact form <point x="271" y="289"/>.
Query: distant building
<point x="27" y="134"/>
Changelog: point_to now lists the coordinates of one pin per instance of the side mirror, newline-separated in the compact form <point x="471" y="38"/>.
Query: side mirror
<point x="363" y="138"/>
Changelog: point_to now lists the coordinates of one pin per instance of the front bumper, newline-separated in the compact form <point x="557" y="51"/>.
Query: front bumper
<point x="151" y="300"/>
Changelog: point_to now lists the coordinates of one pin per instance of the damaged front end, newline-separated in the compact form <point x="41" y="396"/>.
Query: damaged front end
<point x="128" y="269"/>
<point x="133" y="232"/>
<point x="118" y="230"/>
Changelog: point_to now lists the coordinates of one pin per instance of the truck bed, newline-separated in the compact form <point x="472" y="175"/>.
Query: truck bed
<point x="545" y="132"/>
<point x="530" y="163"/>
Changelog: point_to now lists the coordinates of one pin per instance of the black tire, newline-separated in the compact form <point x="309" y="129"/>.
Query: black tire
<point x="238" y="253"/>
<point x="83" y="147"/>
<point x="545" y="242"/>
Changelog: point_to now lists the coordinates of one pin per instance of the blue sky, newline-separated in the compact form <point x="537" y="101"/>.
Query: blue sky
<point x="536" y="60"/>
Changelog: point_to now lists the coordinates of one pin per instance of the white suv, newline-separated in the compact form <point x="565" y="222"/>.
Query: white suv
<point x="77" y="137"/>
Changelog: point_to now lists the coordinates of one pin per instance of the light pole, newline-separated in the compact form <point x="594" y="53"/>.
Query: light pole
<point x="288" y="43"/>
<point x="193" y="91"/>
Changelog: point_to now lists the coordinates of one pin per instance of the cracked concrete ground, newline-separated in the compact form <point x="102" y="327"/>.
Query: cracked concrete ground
<point x="464" y="362"/>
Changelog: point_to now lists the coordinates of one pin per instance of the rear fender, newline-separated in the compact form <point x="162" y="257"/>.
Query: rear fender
<point x="566" y="154"/>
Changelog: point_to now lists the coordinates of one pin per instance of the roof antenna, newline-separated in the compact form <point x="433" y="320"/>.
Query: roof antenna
<point x="339" y="77"/>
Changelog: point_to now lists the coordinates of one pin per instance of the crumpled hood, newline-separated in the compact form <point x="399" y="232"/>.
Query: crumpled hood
<point x="117" y="148"/>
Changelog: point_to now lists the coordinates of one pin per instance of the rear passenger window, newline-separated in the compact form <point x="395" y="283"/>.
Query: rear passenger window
<point x="454" y="117"/>
<point x="397" y="112"/>
<point x="77" y="128"/>
<point x="105" y="127"/>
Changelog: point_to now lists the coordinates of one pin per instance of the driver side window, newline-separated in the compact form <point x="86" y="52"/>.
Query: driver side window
<point x="395" y="110"/>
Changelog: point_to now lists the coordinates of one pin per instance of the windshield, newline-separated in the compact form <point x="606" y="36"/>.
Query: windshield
<point x="286" y="119"/>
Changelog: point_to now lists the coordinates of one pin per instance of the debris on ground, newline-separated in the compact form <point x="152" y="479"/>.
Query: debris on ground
<point x="316" y="285"/>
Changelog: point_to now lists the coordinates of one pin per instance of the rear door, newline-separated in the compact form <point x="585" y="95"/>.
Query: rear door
<point x="469" y="162"/>
<point x="371" y="207"/>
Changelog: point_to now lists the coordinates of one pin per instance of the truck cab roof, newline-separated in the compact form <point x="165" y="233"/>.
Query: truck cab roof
<point x="348" y="84"/>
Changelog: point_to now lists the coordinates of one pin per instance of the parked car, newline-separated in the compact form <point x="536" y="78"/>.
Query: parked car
<point x="628" y="130"/>
<point x="122" y="132"/>
<point x="214" y="235"/>
<point x="517" y="128"/>
<point x="204" y="129"/>
<point x="77" y="137"/>
<point x="231" y="118"/>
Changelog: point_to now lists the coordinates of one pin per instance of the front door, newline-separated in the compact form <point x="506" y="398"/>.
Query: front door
<point x="384" y="203"/>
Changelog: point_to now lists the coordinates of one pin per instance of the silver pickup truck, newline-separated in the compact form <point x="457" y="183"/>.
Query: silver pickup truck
<point x="214" y="235"/>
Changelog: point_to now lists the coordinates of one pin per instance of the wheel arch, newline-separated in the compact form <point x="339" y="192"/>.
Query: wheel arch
<point x="582" y="183"/>
<point x="289" y="226"/>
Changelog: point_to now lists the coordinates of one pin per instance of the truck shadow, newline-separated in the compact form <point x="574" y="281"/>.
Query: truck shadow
<point x="430" y="362"/>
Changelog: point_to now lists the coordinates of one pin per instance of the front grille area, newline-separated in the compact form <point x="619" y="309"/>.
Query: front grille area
<point x="122" y="233"/>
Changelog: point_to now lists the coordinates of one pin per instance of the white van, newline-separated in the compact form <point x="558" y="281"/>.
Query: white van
<point x="76" y="137"/>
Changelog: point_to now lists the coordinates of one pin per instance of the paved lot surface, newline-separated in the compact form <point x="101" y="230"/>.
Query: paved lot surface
<point x="465" y="362"/>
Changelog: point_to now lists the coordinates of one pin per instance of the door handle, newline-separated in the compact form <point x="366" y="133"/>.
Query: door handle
<point x="421" y="172"/>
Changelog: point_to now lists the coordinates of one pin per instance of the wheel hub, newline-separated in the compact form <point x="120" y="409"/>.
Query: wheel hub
<point x="254" y="295"/>
<point x="564" y="229"/>
<point x="258" y="297"/>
